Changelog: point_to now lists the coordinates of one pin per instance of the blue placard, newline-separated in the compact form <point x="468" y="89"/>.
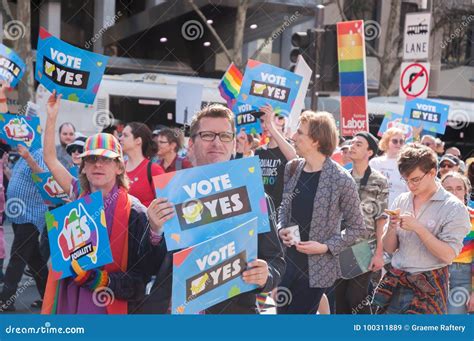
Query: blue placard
<point x="210" y="200"/>
<point x="78" y="231"/>
<point x="267" y="84"/>
<point x="394" y="120"/>
<point x="50" y="191"/>
<point x="18" y="129"/>
<point x="71" y="71"/>
<point x="209" y="273"/>
<point x="245" y="120"/>
<point x="433" y="116"/>
<point x="74" y="170"/>
<point x="12" y="67"/>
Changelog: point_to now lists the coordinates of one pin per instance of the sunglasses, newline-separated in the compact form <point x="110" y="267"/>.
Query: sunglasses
<point x="396" y="142"/>
<point x="76" y="150"/>
<point x="93" y="159"/>
<point x="444" y="165"/>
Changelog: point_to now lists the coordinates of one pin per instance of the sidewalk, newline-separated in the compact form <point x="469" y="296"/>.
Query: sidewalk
<point x="26" y="293"/>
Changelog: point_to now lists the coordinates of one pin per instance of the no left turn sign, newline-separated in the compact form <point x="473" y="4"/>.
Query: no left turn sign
<point x="414" y="80"/>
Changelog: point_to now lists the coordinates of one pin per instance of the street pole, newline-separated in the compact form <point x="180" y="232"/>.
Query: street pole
<point x="318" y="38"/>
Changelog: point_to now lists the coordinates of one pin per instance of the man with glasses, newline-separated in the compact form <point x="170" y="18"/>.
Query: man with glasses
<point x="425" y="233"/>
<point x="448" y="163"/>
<point x="169" y="142"/>
<point x="213" y="140"/>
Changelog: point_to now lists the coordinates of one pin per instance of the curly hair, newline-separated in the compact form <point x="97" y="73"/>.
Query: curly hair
<point x="387" y="136"/>
<point x="416" y="155"/>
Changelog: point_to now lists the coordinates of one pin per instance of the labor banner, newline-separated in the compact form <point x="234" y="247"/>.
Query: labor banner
<point x="394" y="120"/>
<point x="12" y="67"/>
<point x="18" y="129"/>
<point x="78" y="231"/>
<point x="267" y="84"/>
<point x="352" y="77"/>
<point x="246" y="118"/>
<point x="50" y="191"/>
<point x="210" y="272"/>
<point x="429" y="115"/>
<point x="73" y="72"/>
<point x="210" y="200"/>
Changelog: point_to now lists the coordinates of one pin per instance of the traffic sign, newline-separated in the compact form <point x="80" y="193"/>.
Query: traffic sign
<point x="417" y="36"/>
<point x="414" y="80"/>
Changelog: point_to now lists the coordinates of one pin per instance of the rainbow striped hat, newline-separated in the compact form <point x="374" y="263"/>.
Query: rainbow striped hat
<point x="104" y="145"/>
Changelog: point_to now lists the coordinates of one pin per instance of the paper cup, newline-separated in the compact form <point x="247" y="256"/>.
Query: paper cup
<point x="295" y="234"/>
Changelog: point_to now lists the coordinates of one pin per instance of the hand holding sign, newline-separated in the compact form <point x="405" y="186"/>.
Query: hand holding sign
<point x="257" y="273"/>
<point x="52" y="107"/>
<point x="159" y="212"/>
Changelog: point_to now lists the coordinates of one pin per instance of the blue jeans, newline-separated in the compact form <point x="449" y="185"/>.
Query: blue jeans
<point x="459" y="288"/>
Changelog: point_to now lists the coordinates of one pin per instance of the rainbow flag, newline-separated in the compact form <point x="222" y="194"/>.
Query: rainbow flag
<point x="229" y="87"/>
<point x="352" y="77"/>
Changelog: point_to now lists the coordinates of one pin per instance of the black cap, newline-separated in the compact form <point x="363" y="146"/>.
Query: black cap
<point x="451" y="159"/>
<point x="371" y="140"/>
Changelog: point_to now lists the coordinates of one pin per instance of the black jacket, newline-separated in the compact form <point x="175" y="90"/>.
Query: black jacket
<point x="269" y="250"/>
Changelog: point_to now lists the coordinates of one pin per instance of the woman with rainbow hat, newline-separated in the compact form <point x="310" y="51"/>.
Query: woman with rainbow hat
<point x="121" y="283"/>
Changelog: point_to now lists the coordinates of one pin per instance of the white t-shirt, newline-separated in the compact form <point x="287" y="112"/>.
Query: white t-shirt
<point x="389" y="168"/>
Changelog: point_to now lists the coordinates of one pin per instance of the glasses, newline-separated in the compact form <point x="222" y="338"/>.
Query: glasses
<point x="444" y="165"/>
<point x="414" y="181"/>
<point x="93" y="159"/>
<point x="211" y="136"/>
<point x="400" y="141"/>
<point x="77" y="150"/>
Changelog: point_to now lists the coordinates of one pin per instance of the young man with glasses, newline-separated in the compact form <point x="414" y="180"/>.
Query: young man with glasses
<point x="213" y="140"/>
<point x="425" y="233"/>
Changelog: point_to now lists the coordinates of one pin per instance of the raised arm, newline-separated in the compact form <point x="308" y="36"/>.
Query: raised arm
<point x="269" y="122"/>
<point x="25" y="154"/>
<point x="59" y="172"/>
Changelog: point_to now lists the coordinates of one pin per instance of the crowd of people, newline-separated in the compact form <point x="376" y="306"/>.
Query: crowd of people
<point x="411" y="202"/>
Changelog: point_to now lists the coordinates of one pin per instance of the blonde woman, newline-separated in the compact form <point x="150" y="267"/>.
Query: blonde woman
<point x="391" y="143"/>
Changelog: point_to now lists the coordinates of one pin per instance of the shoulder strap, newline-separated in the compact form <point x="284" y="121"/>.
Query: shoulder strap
<point x="148" y="173"/>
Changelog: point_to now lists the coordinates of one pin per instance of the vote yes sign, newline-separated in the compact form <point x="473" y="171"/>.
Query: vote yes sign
<point x="12" y="67"/>
<point x="50" y="191"/>
<point x="71" y="71"/>
<point x="433" y="116"/>
<point x="267" y="84"/>
<point x="209" y="200"/>
<point x="78" y="231"/>
<point x="19" y="129"/>
<point x="245" y="119"/>
<point x="210" y="272"/>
